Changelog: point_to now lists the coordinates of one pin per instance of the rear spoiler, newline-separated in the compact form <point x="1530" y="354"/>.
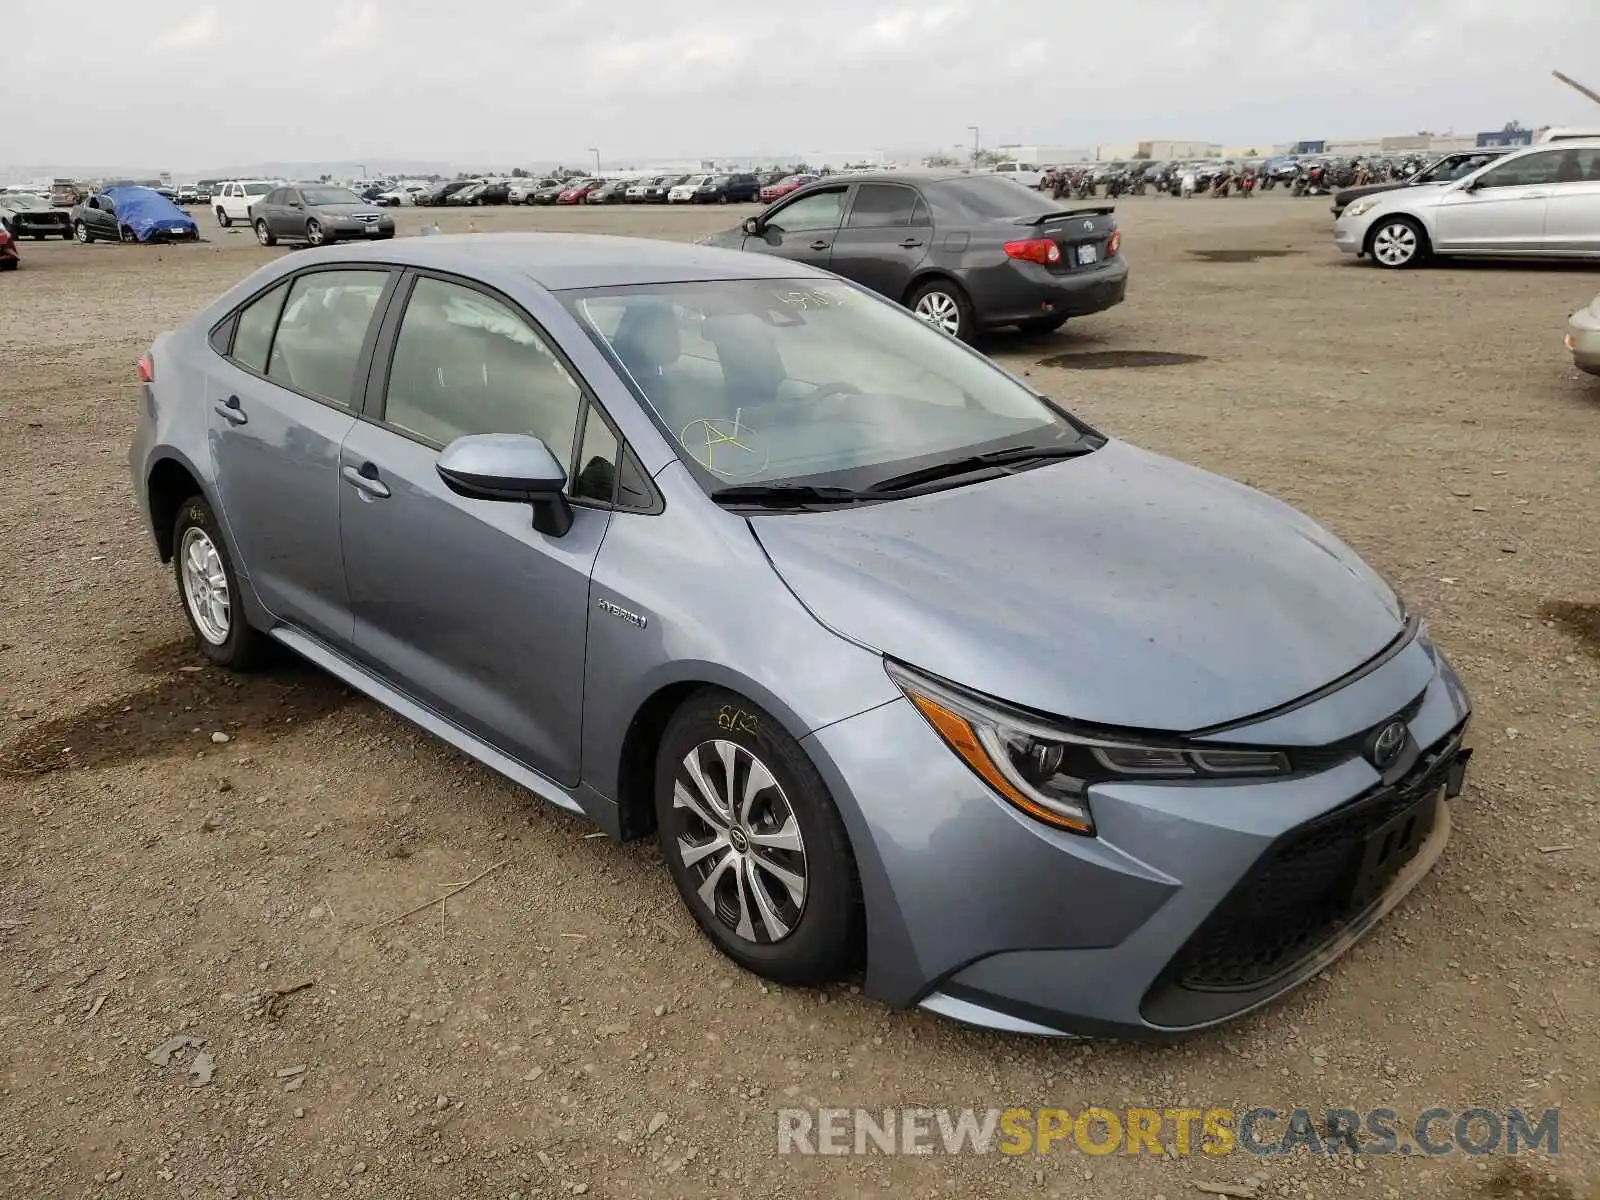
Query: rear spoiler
<point x="1099" y="210"/>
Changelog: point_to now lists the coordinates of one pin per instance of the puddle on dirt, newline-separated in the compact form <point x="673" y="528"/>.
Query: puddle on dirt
<point x="1515" y="1180"/>
<point x="1102" y="360"/>
<point x="162" y="719"/>
<point x="1239" y="256"/>
<point x="1580" y="620"/>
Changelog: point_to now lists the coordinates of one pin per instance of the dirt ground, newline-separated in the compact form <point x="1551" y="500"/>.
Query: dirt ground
<point x="560" y="1028"/>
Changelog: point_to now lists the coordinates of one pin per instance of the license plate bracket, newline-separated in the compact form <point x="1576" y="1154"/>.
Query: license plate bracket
<point x="1389" y="847"/>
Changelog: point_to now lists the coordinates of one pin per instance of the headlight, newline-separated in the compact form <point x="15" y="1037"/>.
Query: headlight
<point x="1046" y="768"/>
<point x="1365" y="205"/>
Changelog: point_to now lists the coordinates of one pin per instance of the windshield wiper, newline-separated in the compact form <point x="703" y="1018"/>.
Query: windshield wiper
<point x="787" y="493"/>
<point x="979" y="462"/>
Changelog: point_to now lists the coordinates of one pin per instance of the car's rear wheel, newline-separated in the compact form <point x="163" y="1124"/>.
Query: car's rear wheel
<point x="81" y="232"/>
<point x="754" y="843"/>
<point x="314" y="233"/>
<point x="942" y="304"/>
<point x="209" y="589"/>
<point x="264" y="235"/>
<point x="1397" y="243"/>
<point x="223" y="218"/>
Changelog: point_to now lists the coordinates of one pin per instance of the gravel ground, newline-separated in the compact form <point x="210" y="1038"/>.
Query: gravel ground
<point x="560" y="1028"/>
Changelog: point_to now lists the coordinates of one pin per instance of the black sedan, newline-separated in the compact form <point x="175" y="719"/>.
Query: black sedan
<point x="316" y="214"/>
<point x="1451" y="166"/>
<point x="28" y="215"/>
<point x="964" y="252"/>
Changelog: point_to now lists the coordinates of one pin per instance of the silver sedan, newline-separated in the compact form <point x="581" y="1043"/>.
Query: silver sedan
<point x="1542" y="202"/>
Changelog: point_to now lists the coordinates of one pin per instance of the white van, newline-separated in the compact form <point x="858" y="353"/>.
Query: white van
<point x="232" y="200"/>
<point x="1027" y="174"/>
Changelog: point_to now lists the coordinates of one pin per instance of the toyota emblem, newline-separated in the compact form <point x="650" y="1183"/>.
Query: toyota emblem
<point x="1088" y="225"/>
<point x="1387" y="745"/>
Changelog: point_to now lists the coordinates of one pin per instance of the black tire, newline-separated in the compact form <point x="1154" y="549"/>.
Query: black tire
<point x="82" y="233"/>
<point x="314" y="234"/>
<point x="8" y="264"/>
<point x="824" y="935"/>
<point x="1041" y="324"/>
<point x="244" y="646"/>
<point x="67" y="236"/>
<point x="264" y="235"/>
<point x="223" y="218"/>
<point x="126" y="233"/>
<point x="1390" y="236"/>
<point x="965" y="325"/>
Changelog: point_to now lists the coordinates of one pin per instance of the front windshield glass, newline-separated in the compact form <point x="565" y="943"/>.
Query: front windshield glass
<point x="329" y="195"/>
<point x="813" y="380"/>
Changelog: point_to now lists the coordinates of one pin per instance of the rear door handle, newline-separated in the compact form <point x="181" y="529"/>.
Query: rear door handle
<point x="230" y="411"/>
<point x="819" y="244"/>
<point x="910" y="243"/>
<point x="365" y="479"/>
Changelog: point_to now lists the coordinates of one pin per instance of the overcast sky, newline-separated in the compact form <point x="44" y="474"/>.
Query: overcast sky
<point x="178" y="85"/>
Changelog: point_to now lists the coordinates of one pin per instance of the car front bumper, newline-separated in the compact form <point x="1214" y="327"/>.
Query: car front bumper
<point x="28" y="225"/>
<point x="1350" y="234"/>
<point x="1189" y="906"/>
<point x="1583" y="338"/>
<point x="1023" y="291"/>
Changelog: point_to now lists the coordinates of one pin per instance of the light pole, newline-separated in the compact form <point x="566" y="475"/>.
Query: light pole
<point x="596" y="153"/>
<point x="973" y="129"/>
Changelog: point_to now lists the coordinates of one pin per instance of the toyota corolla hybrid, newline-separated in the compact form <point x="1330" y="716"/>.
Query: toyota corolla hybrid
<point x="907" y="669"/>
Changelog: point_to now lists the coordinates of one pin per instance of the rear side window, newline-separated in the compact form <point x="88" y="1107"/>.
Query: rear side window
<point x="252" y="338"/>
<point x="321" y="333"/>
<point x="881" y="205"/>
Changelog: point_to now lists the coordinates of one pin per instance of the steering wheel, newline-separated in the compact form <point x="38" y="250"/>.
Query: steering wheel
<point x="839" y="387"/>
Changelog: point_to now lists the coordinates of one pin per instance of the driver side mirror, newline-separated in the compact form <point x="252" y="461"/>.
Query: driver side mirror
<point x="1471" y="185"/>
<point x="513" y="467"/>
<point x="751" y="226"/>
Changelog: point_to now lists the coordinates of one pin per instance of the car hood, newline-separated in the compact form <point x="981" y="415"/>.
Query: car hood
<point x="1346" y="196"/>
<point x="349" y="210"/>
<point x="728" y="239"/>
<point x="1121" y="588"/>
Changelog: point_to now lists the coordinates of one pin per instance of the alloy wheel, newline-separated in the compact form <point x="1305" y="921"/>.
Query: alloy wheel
<point x="81" y="232"/>
<point x="737" y="835"/>
<point x="314" y="233"/>
<point x="205" y="586"/>
<point x="940" y="309"/>
<point x="1395" y="244"/>
<point x="262" y="234"/>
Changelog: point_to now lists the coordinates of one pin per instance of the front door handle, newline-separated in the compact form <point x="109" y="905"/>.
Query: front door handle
<point x="365" y="480"/>
<point x="910" y="243"/>
<point x="819" y="244"/>
<point x="230" y="411"/>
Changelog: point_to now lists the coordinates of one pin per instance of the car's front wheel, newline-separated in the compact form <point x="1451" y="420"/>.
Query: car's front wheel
<point x="209" y="588"/>
<point x="942" y="304"/>
<point x="81" y="232"/>
<point x="314" y="233"/>
<point x="1397" y="243"/>
<point x="754" y="843"/>
<point x="265" y="235"/>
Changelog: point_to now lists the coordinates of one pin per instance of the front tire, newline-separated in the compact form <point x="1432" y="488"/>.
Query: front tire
<point x="81" y="232"/>
<point x="944" y="305"/>
<point x="1398" y="243"/>
<point x="265" y="235"/>
<point x="209" y="589"/>
<point x="314" y="233"/>
<point x="223" y="219"/>
<point x="754" y="843"/>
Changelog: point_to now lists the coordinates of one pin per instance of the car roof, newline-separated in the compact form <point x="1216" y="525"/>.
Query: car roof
<point x="568" y="261"/>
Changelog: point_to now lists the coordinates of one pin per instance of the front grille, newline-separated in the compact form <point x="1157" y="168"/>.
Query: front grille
<point x="1313" y="881"/>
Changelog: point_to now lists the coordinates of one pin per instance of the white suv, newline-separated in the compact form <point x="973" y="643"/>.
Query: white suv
<point x="232" y="200"/>
<point x="1027" y="174"/>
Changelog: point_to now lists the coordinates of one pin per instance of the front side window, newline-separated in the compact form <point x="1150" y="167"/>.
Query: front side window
<point x="252" y="337"/>
<point x="1530" y="170"/>
<point x="465" y="363"/>
<point x="756" y="381"/>
<point x="320" y="335"/>
<point x="819" y="210"/>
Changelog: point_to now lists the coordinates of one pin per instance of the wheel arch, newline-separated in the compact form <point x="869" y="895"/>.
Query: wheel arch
<point x="927" y="275"/>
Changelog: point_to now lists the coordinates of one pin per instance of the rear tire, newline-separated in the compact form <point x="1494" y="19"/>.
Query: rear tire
<point x="944" y="305"/>
<point x="208" y="588"/>
<point x="223" y="218"/>
<point x="739" y="872"/>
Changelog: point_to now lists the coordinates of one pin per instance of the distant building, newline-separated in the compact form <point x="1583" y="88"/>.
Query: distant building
<point x="1044" y="156"/>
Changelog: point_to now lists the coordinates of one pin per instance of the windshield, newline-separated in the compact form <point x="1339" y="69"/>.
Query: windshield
<point x="330" y="195"/>
<point x="991" y="198"/>
<point x="762" y="380"/>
